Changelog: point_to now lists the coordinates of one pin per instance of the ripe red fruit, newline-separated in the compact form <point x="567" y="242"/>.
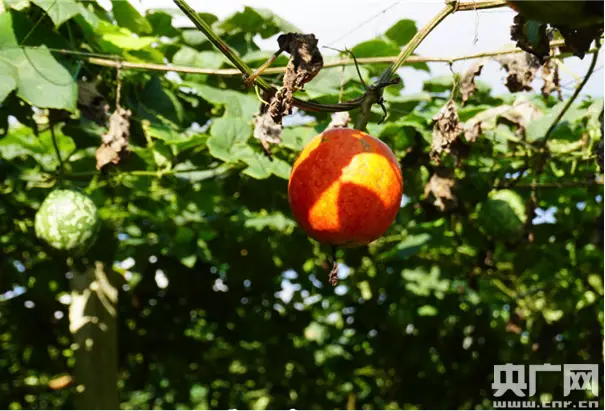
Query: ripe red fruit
<point x="345" y="187"/>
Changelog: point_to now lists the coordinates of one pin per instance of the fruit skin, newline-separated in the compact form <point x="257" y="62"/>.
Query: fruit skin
<point x="345" y="187"/>
<point x="503" y="215"/>
<point x="67" y="220"/>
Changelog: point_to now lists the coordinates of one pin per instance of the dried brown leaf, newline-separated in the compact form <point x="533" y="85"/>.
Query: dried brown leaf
<point x="467" y="81"/>
<point x="440" y="187"/>
<point x="521" y="70"/>
<point x="305" y="62"/>
<point x="550" y="76"/>
<point x="267" y="131"/>
<point x="446" y="130"/>
<point x="519" y="114"/>
<point x="115" y="141"/>
<point x="472" y="131"/>
<point x="339" y="120"/>
<point x="578" y="40"/>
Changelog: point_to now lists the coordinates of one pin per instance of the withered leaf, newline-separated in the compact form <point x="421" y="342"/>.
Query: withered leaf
<point x="578" y="40"/>
<point x="521" y="69"/>
<point x="550" y="77"/>
<point x="539" y="46"/>
<point x="339" y="120"/>
<point x="440" y="187"/>
<point x="305" y="62"/>
<point x="467" y="81"/>
<point x="115" y="141"/>
<point x="446" y="130"/>
<point x="267" y="131"/>
<point x="519" y="113"/>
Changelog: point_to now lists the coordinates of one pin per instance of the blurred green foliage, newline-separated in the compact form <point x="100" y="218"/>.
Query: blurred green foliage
<point x="225" y="301"/>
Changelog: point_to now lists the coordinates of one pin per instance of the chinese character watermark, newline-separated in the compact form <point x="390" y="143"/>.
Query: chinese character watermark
<point x="576" y="377"/>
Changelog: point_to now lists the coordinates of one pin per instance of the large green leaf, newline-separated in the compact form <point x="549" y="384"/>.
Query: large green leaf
<point x="375" y="48"/>
<point x="187" y="56"/>
<point x="8" y="79"/>
<point x="43" y="82"/>
<point x="59" y="11"/>
<point x="261" y="21"/>
<point x="22" y="142"/>
<point x="228" y="135"/>
<point x="127" y="16"/>
<point x="402" y="31"/>
<point x="236" y="104"/>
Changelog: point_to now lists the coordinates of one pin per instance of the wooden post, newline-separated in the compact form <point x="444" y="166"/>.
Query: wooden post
<point x="92" y="322"/>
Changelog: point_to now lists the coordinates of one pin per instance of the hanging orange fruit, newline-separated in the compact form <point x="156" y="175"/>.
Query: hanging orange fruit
<point x="345" y="187"/>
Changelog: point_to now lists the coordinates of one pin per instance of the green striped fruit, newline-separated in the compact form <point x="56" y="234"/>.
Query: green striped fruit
<point x="67" y="220"/>
<point x="503" y="215"/>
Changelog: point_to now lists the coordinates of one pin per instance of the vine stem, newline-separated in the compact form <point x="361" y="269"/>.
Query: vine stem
<point x="56" y="146"/>
<point x="387" y="75"/>
<point x="570" y="101"/>
<point x="150" y="173"/>
<point x="107" y="61"/>
<point x="451" y="7"/>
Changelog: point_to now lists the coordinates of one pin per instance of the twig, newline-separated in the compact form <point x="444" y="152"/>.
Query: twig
<point x="571" y="100"/>
<point x="562" y="184"/>
<point x="118" y="84"/>
<point x="150" y="173"/>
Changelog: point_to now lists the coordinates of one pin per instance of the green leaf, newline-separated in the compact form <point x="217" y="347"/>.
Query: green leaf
<point x="259" y="166"/>
<point x="537" y="129"/>
<point x="8" y="79"/>
<point x="161" y="24"/>
<point x="161" y="102"/>
<point x="15" y="4"/>
<point x="22" y="142"/>
<point x="439" y="84"/>
<point x="261" y="21"/>
<point x="295" y="138"/>
<point x="127" y="16"/>
<point x="375" y="48"/>
<point x="59" y="11"/>
<point x="236" y="104"/>
<point x="42" y="81"/>
<point x="408" y="247"/>
<point x="127" y="42"/>
<point x="228" y="136"/>
<point x="402" y="31"/>
<point x="427" y="311"/>
<point x="187" y="56"/>
<point x="274" y="221"/>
